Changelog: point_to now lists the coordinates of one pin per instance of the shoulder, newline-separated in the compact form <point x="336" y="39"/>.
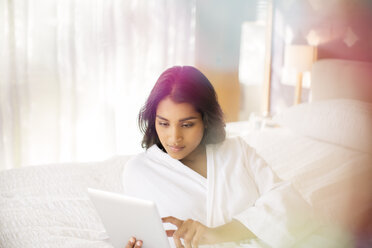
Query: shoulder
<point x="134" y="163"/>
<point x="233" y="147"/>
<point x="137" y="160"/>
<point x="144" y="159"/>
<point x="231" y="143"/>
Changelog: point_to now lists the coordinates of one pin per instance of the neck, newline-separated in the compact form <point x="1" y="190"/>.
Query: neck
<point x="195" y="155"/>
<point x="197" y="161"/>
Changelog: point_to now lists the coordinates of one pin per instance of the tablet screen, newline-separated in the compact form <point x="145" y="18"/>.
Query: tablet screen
<point x="124" y="216"/>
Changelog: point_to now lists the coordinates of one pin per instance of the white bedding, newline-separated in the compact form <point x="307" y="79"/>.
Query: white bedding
<point x="325" y="149"/>
<point x="324" y="173"/>
<point x="47" y="206"/>
<point x="343" y="122"/>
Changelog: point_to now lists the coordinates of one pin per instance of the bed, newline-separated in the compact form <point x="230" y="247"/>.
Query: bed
<point x="322" y="147"/>
<point x="325" y="147"/>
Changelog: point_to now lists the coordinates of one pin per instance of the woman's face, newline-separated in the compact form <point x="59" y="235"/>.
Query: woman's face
<point x="179" y="127"/>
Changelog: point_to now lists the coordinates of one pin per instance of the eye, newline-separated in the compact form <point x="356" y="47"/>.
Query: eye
<point x="161" y="123"/>
<point x="187" y="125"/>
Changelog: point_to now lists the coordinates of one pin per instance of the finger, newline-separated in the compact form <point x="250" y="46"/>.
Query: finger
<point x="131" y="242"/>
<point x="187" y="232"/>
<point x="172" y="220"/>
<point x="182" y="232"/>
<point x="188" y="237"/>
<point x="170" y="233"/>
<point x="198" y="234"/>
<point x="177" y="241"/>
<point x="178" y="234"/>
<point x="138" y="244"/>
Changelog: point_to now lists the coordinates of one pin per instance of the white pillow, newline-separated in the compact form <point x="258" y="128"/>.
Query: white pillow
<point x="344" y="122"/>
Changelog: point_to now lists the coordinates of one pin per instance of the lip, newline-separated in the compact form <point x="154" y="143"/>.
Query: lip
<point x="176" y="148"/>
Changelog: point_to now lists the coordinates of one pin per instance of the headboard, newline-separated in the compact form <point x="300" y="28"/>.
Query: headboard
<point x="335" y="78"/>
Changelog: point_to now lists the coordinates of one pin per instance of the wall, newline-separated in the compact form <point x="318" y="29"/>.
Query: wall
<point x="340" y="29"/>
<point x="217" y="47"/>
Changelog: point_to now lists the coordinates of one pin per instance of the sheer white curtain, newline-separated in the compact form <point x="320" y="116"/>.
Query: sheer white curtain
<point x="74" y="74"/>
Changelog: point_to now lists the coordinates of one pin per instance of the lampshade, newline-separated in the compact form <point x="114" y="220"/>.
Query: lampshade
<point x="299" y="57"/>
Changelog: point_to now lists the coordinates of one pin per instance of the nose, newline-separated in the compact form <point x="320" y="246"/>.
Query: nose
<point x="175" y="136"/>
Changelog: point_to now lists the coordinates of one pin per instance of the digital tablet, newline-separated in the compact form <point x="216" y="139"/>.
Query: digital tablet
<point x="124" y="217"/>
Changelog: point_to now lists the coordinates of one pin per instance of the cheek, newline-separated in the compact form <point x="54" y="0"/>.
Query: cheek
<point x="159" y="132"/>
<point x="198" y="134"/>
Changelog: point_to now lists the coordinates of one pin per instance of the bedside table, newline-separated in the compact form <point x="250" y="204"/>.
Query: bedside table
<point x="255" y="123"/>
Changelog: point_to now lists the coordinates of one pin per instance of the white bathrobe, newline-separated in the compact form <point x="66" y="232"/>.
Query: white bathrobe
<point x="239" y="185"/>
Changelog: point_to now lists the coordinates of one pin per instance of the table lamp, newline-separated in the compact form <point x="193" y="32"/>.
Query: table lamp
<point x="300" y="58"/>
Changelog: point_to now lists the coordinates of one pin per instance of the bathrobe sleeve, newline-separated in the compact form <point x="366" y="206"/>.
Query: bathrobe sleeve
<point x="280" y="217"/>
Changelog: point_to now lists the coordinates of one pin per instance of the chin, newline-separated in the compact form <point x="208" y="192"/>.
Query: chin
<point x="176" y="156"/>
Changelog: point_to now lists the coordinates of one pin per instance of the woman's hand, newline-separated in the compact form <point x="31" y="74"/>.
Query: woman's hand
<point x="133" y="243"/>
<point x="192" y="232"/>
<point x="195" y="233"/>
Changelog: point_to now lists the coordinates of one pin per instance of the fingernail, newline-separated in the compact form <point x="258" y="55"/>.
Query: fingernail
<point x="132" y="240"/>
<point x="139" y="242"/>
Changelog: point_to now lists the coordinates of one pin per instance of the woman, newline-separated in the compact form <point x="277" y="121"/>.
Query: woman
<point x="213" y="190"/>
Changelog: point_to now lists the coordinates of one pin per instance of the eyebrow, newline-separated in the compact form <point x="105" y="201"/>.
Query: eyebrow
<point x="184" y="119"/>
